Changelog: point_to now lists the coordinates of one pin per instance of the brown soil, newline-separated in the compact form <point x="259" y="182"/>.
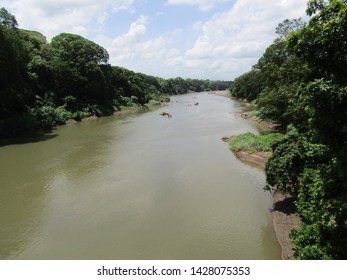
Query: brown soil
<point x="284" y="220"/>
<point x="259" y="158"/>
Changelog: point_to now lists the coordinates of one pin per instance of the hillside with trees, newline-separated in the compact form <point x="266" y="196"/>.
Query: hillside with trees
<point x="301" y="83"/>
<point x="43" y="84"/>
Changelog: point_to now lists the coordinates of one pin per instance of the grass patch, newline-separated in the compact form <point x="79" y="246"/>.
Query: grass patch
<point x="251" y="143"/>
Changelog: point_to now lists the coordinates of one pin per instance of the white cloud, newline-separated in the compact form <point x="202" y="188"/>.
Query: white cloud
<point x="203" y="5"/>
<point x="233" y="41"/>
<point x="52" y="17"/>
<point x="135" y="52"/>
<point x="135" y="34"/>
<point x="228" y="45"/>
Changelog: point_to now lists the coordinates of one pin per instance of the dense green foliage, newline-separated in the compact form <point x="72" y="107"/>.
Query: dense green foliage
<point x="274" y="78"/>
<point x="43" y="84"/>
<point x="251" y="143"/>
<point x="301" y="82"/>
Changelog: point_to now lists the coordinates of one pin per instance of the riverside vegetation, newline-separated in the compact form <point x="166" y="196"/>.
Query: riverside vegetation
<point x="45" y="84"/>
<point x="300" y="82"/>
<point x="251" y="143"/>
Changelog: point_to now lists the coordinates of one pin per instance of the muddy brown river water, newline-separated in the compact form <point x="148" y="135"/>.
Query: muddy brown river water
<point x="138" y="186"/>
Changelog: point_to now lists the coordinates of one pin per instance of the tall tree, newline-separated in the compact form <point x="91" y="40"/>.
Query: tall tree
<point x="282" y="74"/>
<point x="7" y="19"/>
<point x="323" y="44"/>
<point x="15" y="91"/>
<point x="76" y="65"/>
<point x="288" y="26"/>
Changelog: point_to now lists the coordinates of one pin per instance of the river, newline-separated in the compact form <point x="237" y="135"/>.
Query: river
<point x="138" y="186"/>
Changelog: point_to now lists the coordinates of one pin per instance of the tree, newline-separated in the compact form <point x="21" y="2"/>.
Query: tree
<point x="282" y="74"/>
<point x="275" y="80"/>
<point x="288" y="26"/>
<point x="78" y="50"/>
<point x="313" y="160"/>
<point x="247" y="86"/>
<point x="323" y="44"/>
<point x="7" y="20"/>
<point x="15" y="92"/>
<point x="76" y="66"/>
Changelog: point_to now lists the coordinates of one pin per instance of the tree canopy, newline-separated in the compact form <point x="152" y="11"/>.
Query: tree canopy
<point x="78" y="50"/>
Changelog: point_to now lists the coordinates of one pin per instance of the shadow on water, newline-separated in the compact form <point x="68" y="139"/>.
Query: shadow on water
<point x="44" y="135"/>
<point x="29" y="138"/>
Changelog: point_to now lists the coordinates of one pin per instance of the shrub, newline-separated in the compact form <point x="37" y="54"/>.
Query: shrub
<point x="48" y="116"/>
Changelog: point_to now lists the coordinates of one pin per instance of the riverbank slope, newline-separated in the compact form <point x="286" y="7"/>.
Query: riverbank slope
<point x="283" y="211"/>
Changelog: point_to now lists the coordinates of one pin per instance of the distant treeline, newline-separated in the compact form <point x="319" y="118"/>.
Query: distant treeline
<point x="301" y="83"/>
<point x="44" y="84"/>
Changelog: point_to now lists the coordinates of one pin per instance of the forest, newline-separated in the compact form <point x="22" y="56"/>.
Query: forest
<point x="300" y="83"/>
<point x="44" y="84"/>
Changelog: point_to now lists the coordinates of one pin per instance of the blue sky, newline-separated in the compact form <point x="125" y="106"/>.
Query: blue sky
<point x="204" y="39"/>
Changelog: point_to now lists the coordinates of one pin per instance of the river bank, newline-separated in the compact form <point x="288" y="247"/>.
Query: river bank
<point x="123" y="112"/>
<point x="283" y="208"/>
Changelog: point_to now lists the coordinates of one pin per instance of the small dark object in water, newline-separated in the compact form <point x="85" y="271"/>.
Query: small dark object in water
<point x="166" y="114"/>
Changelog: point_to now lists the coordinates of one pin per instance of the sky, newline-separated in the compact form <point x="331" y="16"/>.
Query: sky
<point x="200" y="39"/>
